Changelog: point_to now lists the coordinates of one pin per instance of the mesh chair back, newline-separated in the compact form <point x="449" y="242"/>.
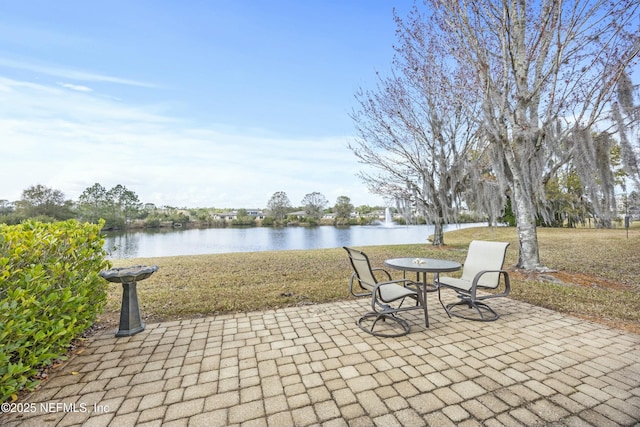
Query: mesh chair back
<point x="362" y="268"/>
<point x="484" y="255"/>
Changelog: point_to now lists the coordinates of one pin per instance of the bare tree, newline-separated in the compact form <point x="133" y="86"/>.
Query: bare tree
<point x="313" y="204"/>
<point x="417" y="129"/>
<point x="279" y="205"/>
<point x="545" y="72"/>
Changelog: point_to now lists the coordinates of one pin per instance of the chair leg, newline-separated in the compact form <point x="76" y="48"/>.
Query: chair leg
<point x="441" y="303"/>
<point x="484" y="312"/>
<point x="403" y="324"/>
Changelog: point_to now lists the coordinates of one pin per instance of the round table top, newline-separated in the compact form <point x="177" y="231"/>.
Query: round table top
<point x="428" y="265"/>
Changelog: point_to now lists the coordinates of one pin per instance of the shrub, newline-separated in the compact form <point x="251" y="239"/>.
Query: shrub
<point x="112" y="222"/>
<point x="152" y="222"/>
<point x="12" y="218"/>
<point x="268" y="221"/>
<point x="244" y="221"/>
<point x="50" y="292"/>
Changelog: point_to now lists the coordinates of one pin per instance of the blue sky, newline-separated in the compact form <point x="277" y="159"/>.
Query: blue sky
<point x="199" y="103"/>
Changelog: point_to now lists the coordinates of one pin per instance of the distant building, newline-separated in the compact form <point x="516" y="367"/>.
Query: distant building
<point x="256" y="213"/>
<point x="299" y="214"/>
<point x="231" y="215"/>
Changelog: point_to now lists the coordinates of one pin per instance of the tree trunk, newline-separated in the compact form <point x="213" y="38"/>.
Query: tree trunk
<point x="529" y="256"/>
<point x="438" y="233"/>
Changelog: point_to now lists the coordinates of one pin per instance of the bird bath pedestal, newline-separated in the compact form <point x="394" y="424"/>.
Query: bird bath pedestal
<point x="130" y="321"/>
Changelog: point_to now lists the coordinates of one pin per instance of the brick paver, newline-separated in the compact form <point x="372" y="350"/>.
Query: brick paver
<point x="312" y="365"/>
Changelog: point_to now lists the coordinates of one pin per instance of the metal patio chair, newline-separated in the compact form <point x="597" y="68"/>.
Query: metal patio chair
<point x="481" y="271"/>
<point x="382" y="295"/>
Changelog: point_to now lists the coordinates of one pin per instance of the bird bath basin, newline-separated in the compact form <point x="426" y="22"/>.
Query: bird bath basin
<point x="130" y="320"/>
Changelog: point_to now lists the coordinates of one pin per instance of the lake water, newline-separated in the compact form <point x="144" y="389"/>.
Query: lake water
<point x="158" y="243"/>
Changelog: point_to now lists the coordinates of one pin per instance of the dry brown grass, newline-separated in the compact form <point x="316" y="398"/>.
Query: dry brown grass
<point x="599" y="271"/>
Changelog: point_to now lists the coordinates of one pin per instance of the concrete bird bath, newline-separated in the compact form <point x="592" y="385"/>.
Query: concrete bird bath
<point x="130" y="320"/>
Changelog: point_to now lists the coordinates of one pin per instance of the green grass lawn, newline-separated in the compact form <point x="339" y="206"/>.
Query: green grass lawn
<point x="600" y="271"/>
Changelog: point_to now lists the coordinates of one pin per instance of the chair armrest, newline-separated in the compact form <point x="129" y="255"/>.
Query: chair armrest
<point x="384" y="271"/>
<point x="505" y="273"/>
<point x="354" y="277"/>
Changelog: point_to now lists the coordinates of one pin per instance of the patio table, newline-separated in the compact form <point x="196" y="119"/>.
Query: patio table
<point x="424" y="266"/>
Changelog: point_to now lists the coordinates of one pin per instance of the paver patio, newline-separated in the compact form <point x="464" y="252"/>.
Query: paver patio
<point x="312" y="365"/>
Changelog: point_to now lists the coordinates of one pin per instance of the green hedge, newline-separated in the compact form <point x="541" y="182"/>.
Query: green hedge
<point x="50" y="292"/>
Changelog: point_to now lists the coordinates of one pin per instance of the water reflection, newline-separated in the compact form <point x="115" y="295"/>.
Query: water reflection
<point x="156" y="243"/>
<point x="126" y="243"/>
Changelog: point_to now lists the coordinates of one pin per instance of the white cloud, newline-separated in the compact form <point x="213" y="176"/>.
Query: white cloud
<point x="79" y="88"/>
<point x="69" y="140"/>
<point x="70" y="74"/>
